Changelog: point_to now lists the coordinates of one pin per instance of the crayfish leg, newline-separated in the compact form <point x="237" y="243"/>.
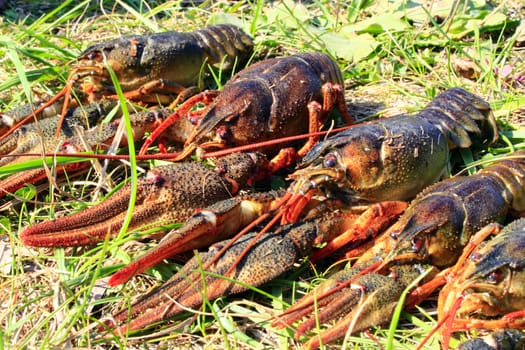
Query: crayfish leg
<point x="371" y="298"/>
<point x="144" y="92"/>
<point x="369" y="224"/>
<point x="204" y="97"/>
<point x="317" y="113"/>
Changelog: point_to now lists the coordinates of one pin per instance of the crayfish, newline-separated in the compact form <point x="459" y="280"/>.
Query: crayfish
<point x="272" y="99"/>
<point x="430" y="235"/>
<point x="148" y="68"/>
<point x="81" y="132"/>
<point x="485" y="287"/>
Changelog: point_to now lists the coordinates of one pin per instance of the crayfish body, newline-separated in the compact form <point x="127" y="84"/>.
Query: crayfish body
<point x="149" y="68"/>
<point x="77" y="134"/>
<point x="395" y="158"/>
<point x="271" y="99"/>
<point x="175" y="58"/>
<point x="26" y="140"/>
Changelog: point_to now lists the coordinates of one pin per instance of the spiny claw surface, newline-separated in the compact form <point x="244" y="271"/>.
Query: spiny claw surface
<point x="10" y="118"/>
<point x="167" y="194"/>
<point x="270" y="256"/>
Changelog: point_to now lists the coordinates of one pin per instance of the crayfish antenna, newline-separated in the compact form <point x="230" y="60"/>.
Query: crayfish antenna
<point x="67" y="98"/>
<point x="33" y="114"/>
<point x="205" y="97"/>
<point x="448" y="321"/>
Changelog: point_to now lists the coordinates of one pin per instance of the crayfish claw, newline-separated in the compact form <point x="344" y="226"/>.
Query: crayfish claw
<point x="214" y="223"/>
<point x="167" y="194"/>
<point x="200" y="277"/>
<point x="372" y="298"/>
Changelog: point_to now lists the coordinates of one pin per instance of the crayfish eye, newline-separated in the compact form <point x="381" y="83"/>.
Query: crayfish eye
<point x="330" y="160"/>
<point x="94" y="55"/>
<point x="394" y="234"/>
<point x="417" y="244"/>
<point x="475" y="257"/>
<point x="194" y="120"/>
<point x="223" y="132"/>
<point x="494" y="276"/>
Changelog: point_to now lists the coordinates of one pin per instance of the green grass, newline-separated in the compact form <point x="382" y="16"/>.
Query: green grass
<point x="394" y="59"/>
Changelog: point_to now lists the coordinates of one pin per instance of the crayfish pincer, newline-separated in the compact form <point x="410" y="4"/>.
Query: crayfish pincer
<point x="272" y="254"/>
<point x="429" y="236"/>
<point x="267" y="257"/>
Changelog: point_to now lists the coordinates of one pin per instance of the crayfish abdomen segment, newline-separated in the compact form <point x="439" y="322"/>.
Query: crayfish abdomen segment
<point x="462" y="117"/>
